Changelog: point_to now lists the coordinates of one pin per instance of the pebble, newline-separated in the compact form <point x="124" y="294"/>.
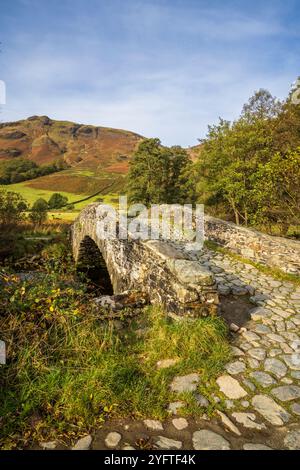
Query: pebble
<point x="270" y="410"/>
<point x="83" y="443"/>
<point x="180" y="423"/>
<point x="231" y="387"/>
<point x="166" y="443"/>
<point x="112" y="439"/>
<point x="209" y="440"/>
<point x="292" y="440"/>
<point x="185" y="383"/>
<point x="153" y="424"/>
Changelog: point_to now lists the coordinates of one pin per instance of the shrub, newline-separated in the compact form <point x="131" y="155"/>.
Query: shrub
<point x="12" y="208"/>
<point x="38" y="213"/>
<point x="57" y="201"/>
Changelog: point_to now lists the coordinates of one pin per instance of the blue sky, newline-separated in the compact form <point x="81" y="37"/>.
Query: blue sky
<point x="162" y="68"/>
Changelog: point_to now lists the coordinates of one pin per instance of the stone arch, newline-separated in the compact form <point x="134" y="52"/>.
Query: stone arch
<point x="91" y="262"/>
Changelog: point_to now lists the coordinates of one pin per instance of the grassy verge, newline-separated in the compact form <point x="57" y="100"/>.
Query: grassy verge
<point x="274" y="272"/>
<point x="67" y="370"/>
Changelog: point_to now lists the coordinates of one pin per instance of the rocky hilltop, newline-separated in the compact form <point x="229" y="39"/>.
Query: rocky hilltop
<point x="45" y="141"/>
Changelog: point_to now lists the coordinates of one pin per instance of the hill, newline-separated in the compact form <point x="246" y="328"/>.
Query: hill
<point x="97" y="157"/>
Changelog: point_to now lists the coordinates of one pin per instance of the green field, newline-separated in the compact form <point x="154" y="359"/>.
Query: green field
<point x="32" y="194"/>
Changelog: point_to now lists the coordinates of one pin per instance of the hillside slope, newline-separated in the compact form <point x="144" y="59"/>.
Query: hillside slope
<point x="96" y="156"/>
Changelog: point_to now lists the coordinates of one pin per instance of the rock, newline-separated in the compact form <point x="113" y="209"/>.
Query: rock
<point x="262" y="329"/>
<point x="228" y="424"/>
<point x="223" y="290"/>
<point x="249" y="384"/>
<point x="83" y="443"/>
<point x="233" y="327"/>
<point x="253" y="363"/>
<point x="185" y="383"/>
<point x="259" y="314"/>
<point x="257" y="353"/>
<point x="258" y="298"/>
<point x="166" y="443"/>
<point x="127" y="447"/>
<point x="245" y="404"/>
<point x="209" y="440"/>
<point x="286" y="392"/>
<point x="275" y="338"/>
<point x="250" y="336"/>
<point x="237" y="351"/>
<point x="292" y="440"/>
<point x="112" y="439"/>
<point x="190" y="272"/>
<point x="274" y="352"/>
<point x="175" y="406"/>
<point x="50" y="445"/>
<point x="235" y="367"/>
<point x="201" y="400"/>
<point x="248" y="420"/>
<point x="287" y="381"/>
<point x="296" y="409"/>
<point x="239" y="291"/>
<point x="255" y="447"/>
<point x="265" y="380"/>
<point x="153" y="424"/>
<point x="292" y="361"/>
<point x="180" y="423"/>
<point x="276" y="367"/>
<point x="163" y="364"/>
<point x="231" y="387"/>
<point x="295" y="375"/>
<point x="269" y="409"/>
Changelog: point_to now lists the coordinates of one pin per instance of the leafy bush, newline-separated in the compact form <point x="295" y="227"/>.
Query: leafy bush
<point x="57" y="201"/>
<point x="12" y="207"/>
<point x="38" y="214"/>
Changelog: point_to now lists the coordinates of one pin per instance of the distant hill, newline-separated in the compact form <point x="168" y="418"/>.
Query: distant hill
<point x="95" y="155"/>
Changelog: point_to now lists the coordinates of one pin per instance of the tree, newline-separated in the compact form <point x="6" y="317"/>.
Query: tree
<point x="57" y="201"/>
<point x="12" y="208"/>
<point x="154" y="173"/>
<point x="276" y="191"/>
<point x="38" y="214"/>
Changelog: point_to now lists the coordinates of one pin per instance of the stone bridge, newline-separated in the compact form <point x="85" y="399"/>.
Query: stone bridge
<point x="162" y="271"/>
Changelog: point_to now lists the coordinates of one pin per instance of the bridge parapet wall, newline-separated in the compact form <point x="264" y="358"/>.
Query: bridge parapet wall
<point x="271" y="251"/>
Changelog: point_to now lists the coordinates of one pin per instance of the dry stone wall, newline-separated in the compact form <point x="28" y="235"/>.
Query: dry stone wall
<point x="272" y="251"/>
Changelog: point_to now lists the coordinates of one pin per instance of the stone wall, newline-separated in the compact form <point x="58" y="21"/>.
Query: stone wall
<point x="272" y="251"/>
<point x="168" y="276"/>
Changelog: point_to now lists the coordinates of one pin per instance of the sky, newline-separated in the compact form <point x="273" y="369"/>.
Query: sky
<point x="161" y="68"/>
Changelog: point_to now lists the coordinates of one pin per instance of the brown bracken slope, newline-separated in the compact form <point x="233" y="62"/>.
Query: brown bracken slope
<point x="97" y="157"/>
<point x="45" y="141"/>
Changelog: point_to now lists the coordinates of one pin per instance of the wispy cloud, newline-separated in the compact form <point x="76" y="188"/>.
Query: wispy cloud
<point x="160" y="68"/>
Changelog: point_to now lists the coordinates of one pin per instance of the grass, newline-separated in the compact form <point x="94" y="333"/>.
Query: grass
<point x="67" y="370"/>
<point x="274" y="272"/>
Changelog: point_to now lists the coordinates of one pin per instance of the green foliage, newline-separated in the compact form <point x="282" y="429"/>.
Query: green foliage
<point x="155" y="173"/>
<point x="19" y="169"/>
<point x="57" y="201"/>
<point x="38" y="214"/>
<point x="250" y="168"/>
<point x="12" y="208"/>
